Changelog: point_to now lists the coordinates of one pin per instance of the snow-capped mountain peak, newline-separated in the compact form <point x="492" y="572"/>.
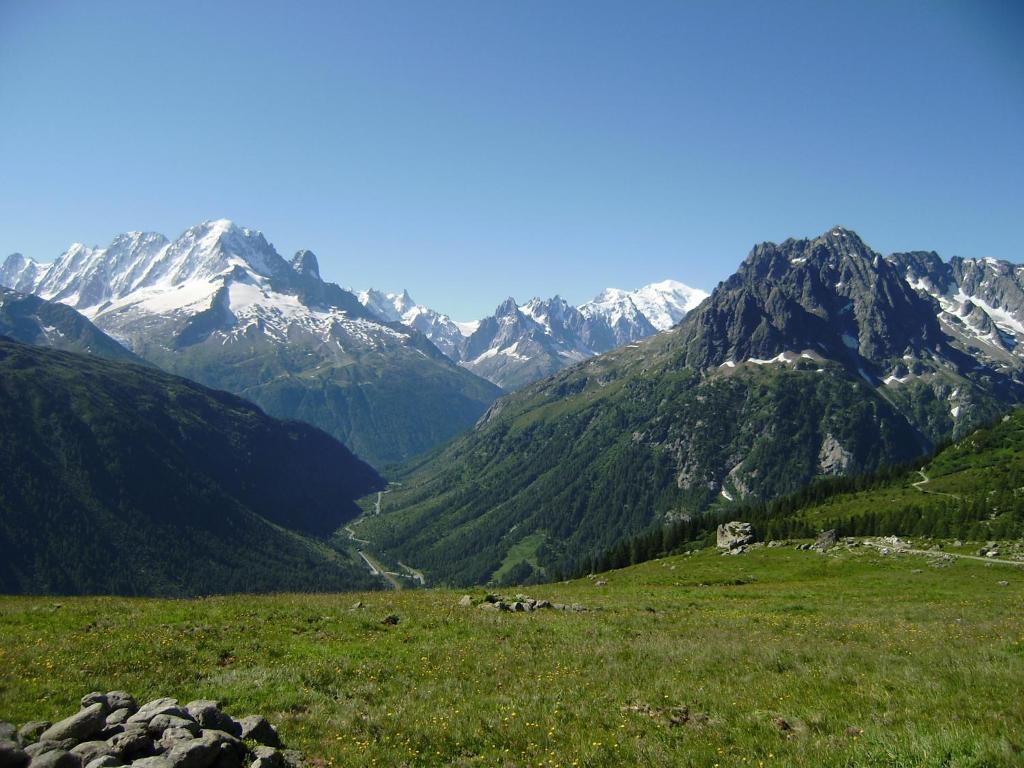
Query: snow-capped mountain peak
<point x="661" y="304"/>
<point x="446" y="334"/>
<point x="519" y="343"/>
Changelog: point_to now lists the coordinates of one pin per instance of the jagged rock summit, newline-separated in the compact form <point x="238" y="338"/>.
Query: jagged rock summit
<point x="519" y="344"/>
<point x="816" y="358"/>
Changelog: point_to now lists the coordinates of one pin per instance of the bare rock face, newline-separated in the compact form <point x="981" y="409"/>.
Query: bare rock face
<point x="833" y="458"/>
<point x="735" y="534"/>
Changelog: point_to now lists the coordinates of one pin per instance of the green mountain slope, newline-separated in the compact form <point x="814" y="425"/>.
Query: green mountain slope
<point x="119" y="478"/>
<point x="386" y="401"/>
<point x="815" y="359"/>
<point x="971" y="489"/>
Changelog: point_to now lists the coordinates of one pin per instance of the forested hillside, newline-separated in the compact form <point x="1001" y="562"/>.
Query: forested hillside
<point x="121" y="479"/>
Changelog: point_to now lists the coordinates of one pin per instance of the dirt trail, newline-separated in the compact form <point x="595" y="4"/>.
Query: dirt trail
<point x="924" y="481"/>
<point x="934" y="553"/>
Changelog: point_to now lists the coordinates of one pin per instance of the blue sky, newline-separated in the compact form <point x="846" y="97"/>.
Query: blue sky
<point x="472" y="150"/>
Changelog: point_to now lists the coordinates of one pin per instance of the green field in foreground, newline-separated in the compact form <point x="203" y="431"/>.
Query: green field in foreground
<point x="928" y="661"/>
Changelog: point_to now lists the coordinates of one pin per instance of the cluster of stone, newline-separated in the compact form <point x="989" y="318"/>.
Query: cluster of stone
<point x="519" y="604"/>
<point x="111" y="730"/>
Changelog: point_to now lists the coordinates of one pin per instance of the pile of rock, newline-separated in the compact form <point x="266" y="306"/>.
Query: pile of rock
<point x="519" y="604"/>
<point x="111" y="730"/>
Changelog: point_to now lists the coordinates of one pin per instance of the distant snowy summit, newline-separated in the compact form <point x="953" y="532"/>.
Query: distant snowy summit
<point x="519" y="344"/>
<point x="218" y="304"/>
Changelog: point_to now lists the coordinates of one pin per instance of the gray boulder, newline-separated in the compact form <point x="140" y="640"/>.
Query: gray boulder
<point x="156" y="707"/>
<point x="231" y="751"/>
<point x="8" y="731"/>
<point x="95" y="698"/>
<point x="80" y="726"/>
<point x="118" y="717"/>
<point x="121" y="700"/>
<point x="268" y="757"/>
<point x="12" y="756"/>
<point x="157" y="761"/>
<point x="48" y="745"/>
<point x="826" y="539"/>
<point x="132" y="743"/>
<point x="57" y="758"/>
<point x="161" y="723"/>
<point x="734" y="534"/>
<point x="197" y="753"/>
<point x="256" y="728"/>
<point x="172" y="737"/>
<point x="88" y="751"/>
<point x="107" y="761"/>
<point x="466" y="601"/>
<point x="209" y="716"/>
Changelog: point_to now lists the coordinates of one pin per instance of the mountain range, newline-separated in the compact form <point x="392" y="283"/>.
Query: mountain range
<point x="817" y="357"/>
<point x="519" y="344"/>
<point x="220" y="306"/>
<point x="119" y="478"/>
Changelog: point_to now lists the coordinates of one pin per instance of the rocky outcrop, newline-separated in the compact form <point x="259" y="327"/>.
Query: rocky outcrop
<point x="111" y="730"/>
<point x="833" y="459"/>
<point x="734" y="535"/>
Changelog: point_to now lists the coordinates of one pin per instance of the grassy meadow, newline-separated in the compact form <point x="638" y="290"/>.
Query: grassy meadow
<point x="782" y="657"/>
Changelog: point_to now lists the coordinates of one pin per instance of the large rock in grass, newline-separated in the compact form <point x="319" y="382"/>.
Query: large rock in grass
<point x="267" y="757"/>
<point x="121" y="700"/>
<point x="256" y="728"/>
<point x="95" y="698"/>
<point x="132" y="743"/>
<point x="80" y="726"/>
<point x="12" y="756"/>
<point x="209" y="716"/>
<point x="734" y="535"/>
<point x="165" y="706"/>
<point x="161" y="723"/>
<point x="172" y="737"/>
<point x="8" y="731"/>
<point x="197" y="753"/>
<point x="826" y="539"/>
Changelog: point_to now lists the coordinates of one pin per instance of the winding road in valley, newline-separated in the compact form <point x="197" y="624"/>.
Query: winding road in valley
<point x="375" y="566"/>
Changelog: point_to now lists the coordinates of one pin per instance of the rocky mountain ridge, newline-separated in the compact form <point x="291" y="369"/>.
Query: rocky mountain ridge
<point x="816" y="358"/>
<point x="519" y="344"/>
